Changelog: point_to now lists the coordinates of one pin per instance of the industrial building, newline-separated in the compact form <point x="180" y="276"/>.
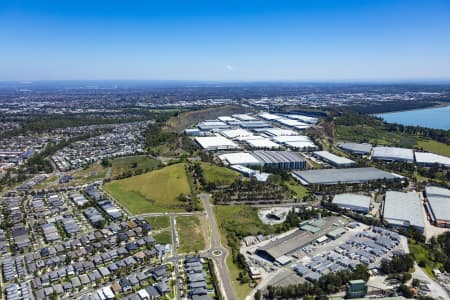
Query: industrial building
<point x="244" y="117"/>
<point x="235" y="133"/>
<point x="348" y="175"/>
<point x="403" y="209"/>
<point x="212" y="125"/>
<point x="438" y="205"/>
<point x="279" y="132"/>
<point x="258" y="175"/>
<point x="429" y="159"/>
<point x="393" y="154"/>
<point x="213" y="143"/>
<point x="354" y="202"/>
<point x="261" y="143"/>
<point x="240" y="158"/>
<point x="356" y="148"/>
<point x="334" y="160"/>
<point x="305" y="119"/>
<point x="280" y="159"/>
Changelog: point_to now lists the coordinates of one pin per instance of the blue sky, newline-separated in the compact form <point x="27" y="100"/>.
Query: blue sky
<point x="225" y="40"/>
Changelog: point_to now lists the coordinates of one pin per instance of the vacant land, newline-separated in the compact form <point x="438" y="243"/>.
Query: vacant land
<point x="434" y="146"/>
<point x="376" y="136"/>
<point x="155" y="191"/>
<point x="190" y="234"/>
<point x="133" y="164"/>
<point x="93" y="173"/>
<point x="236" y="222"/>
<point x="298" y="190"/>
<point x="190" y="118"/>
<point x="158" y="223"/>
<point x="218" y="175"/>
<point x="164" y="237"/>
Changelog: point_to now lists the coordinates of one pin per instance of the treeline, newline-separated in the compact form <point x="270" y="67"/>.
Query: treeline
<point x="356" y="187"/>
<point x="327" y="284"/>
<point x="252" y="190"/>
<point x="398" y="264"/>
<point x="350" y="118"/>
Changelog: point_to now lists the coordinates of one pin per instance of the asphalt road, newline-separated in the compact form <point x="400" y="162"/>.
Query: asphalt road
<point x="174" y="253"/>
<point x="217" y="252"/>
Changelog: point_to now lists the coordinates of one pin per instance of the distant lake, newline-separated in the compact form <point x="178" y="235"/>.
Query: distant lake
<point x="438" y="117"/>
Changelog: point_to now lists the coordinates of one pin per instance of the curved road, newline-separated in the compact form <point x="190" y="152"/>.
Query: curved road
<point x="217" y="252"/>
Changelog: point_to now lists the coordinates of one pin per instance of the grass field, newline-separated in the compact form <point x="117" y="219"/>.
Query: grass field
<point x="434" y="146"/>
<point x="190" y="234"/>
<point x="376" y="136"/>
<point x="155" y="191"/>
<point x="164" y="237"/>
<point x="218" y="175"/>
<point x="93" y="173"/>
<point x="299" y="190"/>
<point x="240" y="220"/>
<point x="160" y="222"/>
<point x="125" y="164"/>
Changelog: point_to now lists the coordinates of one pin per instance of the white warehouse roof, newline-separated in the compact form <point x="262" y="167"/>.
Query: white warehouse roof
<point x="234" y="133"/>
<point x="352" y="201"/>
<point x="334" y="159"/>
<point x="215" y="143"/>
<point x="291" y="138"/>
<point x="302" y="145"/>
<point x="244" y="117"/>
<point x="431" y="158"/>
<point x="280" y="132"/>
<point x="262" y="143"/>
<point x="240" y="158"/>
<point x="269" y="116"/>
<point x="393" y="153"/>
<point x="302" y="118"/>
<point x="403" y="209"/>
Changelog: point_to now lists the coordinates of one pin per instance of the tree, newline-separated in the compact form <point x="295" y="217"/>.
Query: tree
<point x="105" y="162"/>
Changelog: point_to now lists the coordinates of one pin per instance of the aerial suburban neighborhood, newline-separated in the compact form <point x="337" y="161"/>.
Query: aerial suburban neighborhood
<point x="224" y="150"/>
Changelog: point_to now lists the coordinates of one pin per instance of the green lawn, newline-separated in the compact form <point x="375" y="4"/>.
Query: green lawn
<point x="299" y="190"/>
<point x="190" y="234"/>
<point x="160" y="222"/>
<point x="434" y="146"/>
<point x="218" y="175"/>
<point x="125" y="164"/>
<point x="155" y="191"/>
<point x="93" y="173"/>
<point x="164" y="237"/>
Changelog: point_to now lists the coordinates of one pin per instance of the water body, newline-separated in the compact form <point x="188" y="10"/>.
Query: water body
<point x="438" y="117"/>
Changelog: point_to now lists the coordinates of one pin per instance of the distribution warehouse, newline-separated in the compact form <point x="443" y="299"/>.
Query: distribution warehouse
<point x="429" y="159"/>
<point x="355" y="202"/>
<point x="334" y="160"/>
<point x="438" y="205"/>
<point x="273" y="159"/>
<point x="349" y="175"/>
<point x="216" y="143"/>
<point x="393" y="154"/>
<point x="356" y="148"/>
<point x="403" y="209"/>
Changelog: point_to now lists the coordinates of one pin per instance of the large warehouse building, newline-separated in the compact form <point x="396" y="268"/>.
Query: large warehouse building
<point x="438" y="205"/>
<point x="240" y="158"/>
<point x="356" y="148"/>
<point x="393" y="154"/>
<point x="213" y="143"/>
<point x="429" y="159"/>
<point x="354" y="202"/>
<point x="273" y="159"/>
<point x="280" y="159"/>
<point x="403" y="209"/>
<point x="349" y="175"/>
<point x="334" y="160"/>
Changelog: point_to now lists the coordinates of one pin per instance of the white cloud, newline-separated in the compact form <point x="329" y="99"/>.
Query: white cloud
<point x="229" y="67"/>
